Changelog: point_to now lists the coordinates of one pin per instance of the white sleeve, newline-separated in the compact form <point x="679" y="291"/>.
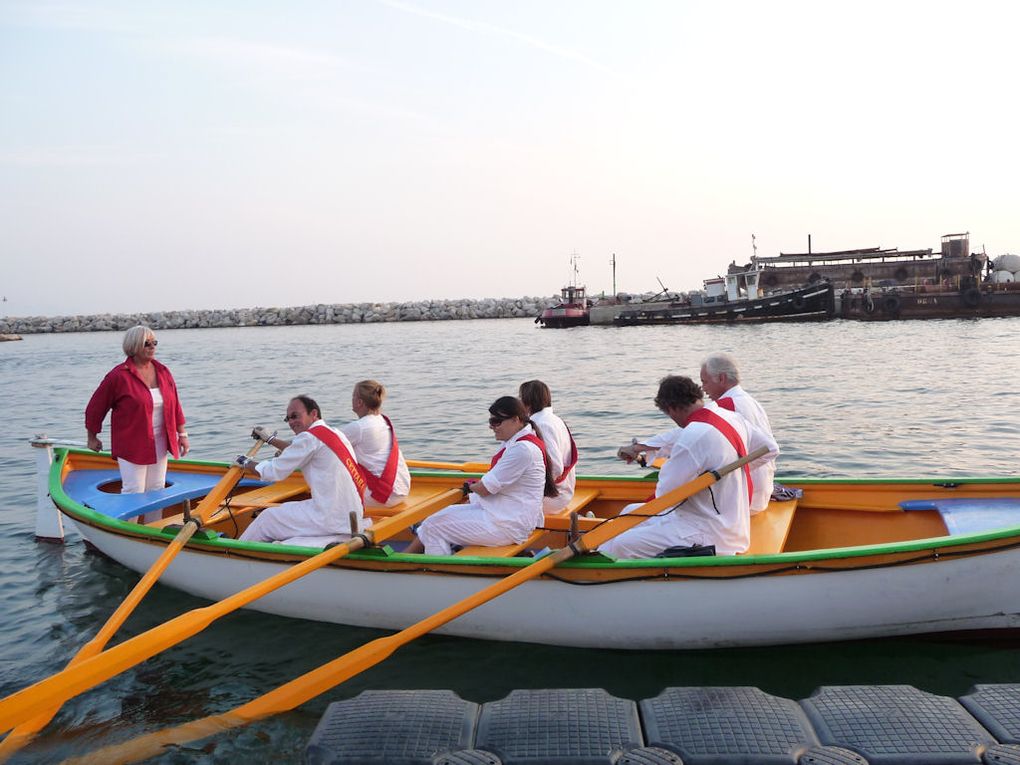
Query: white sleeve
<point x="662" y="443"/>
<point x="293" y="457"/>
<point x="353" y="431"/>
<point x="511" y="466"/>
<point x="757" y="437"/>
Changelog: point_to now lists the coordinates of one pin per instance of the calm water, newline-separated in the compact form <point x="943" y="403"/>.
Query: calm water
<point x="934" y="398"/>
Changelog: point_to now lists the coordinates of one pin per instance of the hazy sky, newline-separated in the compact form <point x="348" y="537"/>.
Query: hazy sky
<point x="171" y="155"/>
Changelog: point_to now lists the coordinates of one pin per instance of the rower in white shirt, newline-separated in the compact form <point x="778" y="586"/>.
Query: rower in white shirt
<point x="559" y="444"/>
<point x="325" y="458"/>
<point x="720" y="380"/>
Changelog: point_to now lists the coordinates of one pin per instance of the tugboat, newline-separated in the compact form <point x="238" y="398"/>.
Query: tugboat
<point x="573" y="308"/>
<point x="737" y="298"/>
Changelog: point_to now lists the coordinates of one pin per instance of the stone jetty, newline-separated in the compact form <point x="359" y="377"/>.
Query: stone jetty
<point x="322" y="313"/>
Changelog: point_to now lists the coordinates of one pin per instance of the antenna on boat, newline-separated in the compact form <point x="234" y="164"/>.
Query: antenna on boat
<point x="754" y="246"/>
<point x="612" y="262"/>
<point x="573" y="267"/>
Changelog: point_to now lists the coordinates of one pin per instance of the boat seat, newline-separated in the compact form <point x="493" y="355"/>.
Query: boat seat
<point x="414" y="497"/>
<point x="267" y="495"/>
<point x="581" y="499"/>
<point x="970" y="516"/>
<point x="86" y="488"/>
<point x="771" y="527"/>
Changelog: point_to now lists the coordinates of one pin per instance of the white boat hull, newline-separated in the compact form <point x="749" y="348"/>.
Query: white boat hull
<point x="953" y="593"/>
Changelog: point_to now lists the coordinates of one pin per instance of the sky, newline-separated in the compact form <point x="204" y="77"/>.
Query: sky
<point x="198" y="155"/>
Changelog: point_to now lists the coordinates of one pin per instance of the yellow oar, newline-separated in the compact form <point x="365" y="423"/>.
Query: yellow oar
<point x="24" y="732"/>
<point x="463" y="467"/>
<point x="320" y="680"/>
<point x="68" y="683"/>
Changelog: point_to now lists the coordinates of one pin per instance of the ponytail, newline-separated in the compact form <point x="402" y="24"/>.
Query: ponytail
<point x="550" y="479"/>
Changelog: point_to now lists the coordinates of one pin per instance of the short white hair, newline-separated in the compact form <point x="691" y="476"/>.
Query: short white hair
<point x="135" y="338"/>
<point x="721" y="364"/>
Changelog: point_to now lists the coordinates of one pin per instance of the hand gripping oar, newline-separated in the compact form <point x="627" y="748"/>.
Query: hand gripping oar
<point x="463" y="467"/>
<point x="320" y="680"/>
<point x="24" y="732"/>
<point x="68" y="683"/>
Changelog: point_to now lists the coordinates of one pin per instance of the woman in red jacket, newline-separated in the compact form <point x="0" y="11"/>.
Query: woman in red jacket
<point x="147" y="421"/>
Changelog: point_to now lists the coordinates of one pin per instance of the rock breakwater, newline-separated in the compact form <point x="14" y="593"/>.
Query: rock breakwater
<point x="321" y="313"/>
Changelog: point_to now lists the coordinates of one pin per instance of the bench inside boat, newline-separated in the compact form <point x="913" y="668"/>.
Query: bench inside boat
<point x="970" y="515"/>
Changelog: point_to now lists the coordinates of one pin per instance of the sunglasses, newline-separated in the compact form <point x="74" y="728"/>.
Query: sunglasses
<point x="494" y="421"/>
<point x="291" y="416"/>
<point x="151" y="343"/>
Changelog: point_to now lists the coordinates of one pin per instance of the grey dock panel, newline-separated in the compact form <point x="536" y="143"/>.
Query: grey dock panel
<point x="727" y="726"/>
<point x="392" y="728"/>
<point x="1002" y="754"/>
<point x="997" y="707"/>
<point x="831" y="755"/>
<point x="896" y="725"/>
<point x="558" y="727"/>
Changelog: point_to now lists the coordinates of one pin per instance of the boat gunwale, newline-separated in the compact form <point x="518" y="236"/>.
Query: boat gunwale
<point x="282" y="552"/>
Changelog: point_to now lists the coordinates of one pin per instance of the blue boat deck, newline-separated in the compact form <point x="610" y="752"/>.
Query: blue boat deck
<point x="89" y="488"/>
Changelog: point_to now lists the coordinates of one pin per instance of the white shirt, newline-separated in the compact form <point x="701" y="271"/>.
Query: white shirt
<point x="370" y="436"/>
<point x="516" y="485"/>
<point x="557" y="444"/>
<point x="763" y="473"/>
<point x="334" y="494"/>
<point x="722" y="511"/>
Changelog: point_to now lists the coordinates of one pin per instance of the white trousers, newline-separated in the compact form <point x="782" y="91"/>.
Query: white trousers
<point x="298" y="523"/>
<point x="464" y="525"/>
<point x="652" y="536"/>
<point x="135" y="479"/>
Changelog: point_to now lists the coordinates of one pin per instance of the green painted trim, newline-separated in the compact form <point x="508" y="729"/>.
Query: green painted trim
<point x="66" y="504"/>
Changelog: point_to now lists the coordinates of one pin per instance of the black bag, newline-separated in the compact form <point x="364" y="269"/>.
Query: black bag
<point x="687" y="551"/>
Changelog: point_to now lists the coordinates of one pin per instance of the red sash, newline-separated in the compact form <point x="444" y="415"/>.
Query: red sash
<point x="573" y="459"/>
<point x="527" y="437"/>
<point x="726" y="403"/>
<point x="381" y="487"/>
<point x="709" y="417"/>
<point x="335" y="445"/>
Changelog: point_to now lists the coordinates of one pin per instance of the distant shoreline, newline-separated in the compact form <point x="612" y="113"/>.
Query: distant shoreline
<point x="321" y="313"/>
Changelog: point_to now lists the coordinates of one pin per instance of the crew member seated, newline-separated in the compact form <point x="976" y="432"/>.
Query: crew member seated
<point x="324" y="456"/>
<point x="710" y="438"/>
<point x="505" y="505"/>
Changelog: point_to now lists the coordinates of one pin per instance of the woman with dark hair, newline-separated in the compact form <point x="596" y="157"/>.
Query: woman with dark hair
<point x="376" y="448"/>
<point x="560" y="447"/>
<point x="147" y="423"/>
<point x="505" y="505"/>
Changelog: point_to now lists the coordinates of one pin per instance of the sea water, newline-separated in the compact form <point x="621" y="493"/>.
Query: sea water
<point x="855" y="399"/>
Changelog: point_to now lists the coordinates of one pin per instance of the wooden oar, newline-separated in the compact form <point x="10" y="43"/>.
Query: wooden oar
<point x="58" y="688"/>
<point x="24" y="732"/>
<point x="320" y="680"/>
<point x="463" y="467"/>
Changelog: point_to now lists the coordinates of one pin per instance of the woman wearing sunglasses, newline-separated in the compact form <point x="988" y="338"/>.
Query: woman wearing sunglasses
<point x="147" y="422"/>
<point x="505" y="505"/>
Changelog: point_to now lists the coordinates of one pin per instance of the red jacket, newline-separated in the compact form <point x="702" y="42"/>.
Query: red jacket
<point x="124" y="391"/>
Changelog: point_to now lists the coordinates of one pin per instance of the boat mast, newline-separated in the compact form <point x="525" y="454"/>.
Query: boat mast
<point x="612" y="262"/>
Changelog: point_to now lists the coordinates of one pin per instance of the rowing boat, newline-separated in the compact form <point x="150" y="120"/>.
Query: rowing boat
<point x="848" y="559"/>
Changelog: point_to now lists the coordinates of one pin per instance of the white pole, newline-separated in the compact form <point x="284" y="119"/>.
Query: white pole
<point x="49" y="525"/>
